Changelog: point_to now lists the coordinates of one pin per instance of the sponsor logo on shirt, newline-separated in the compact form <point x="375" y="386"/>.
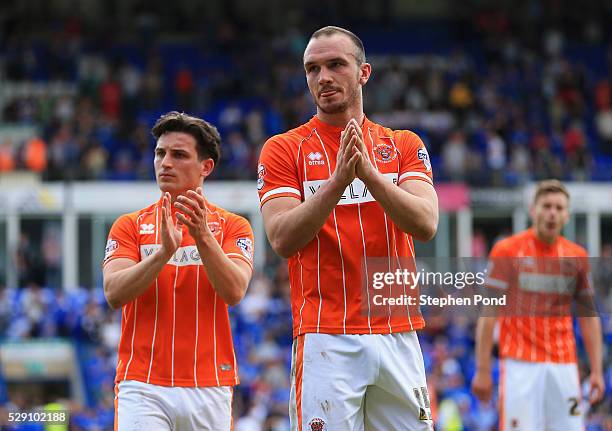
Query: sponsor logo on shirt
<point x="111" y="246"/>
<point x="246" y="245"/>
<point x="183" y="256"/>
<point x="147" y="228"/>
<point x="355" y="193"/>
<point x="385" y="153"/>
<point x="261" y="173"/>
<point x="547" y="283"/>
<point x="315" y="159"/>
<point x="423" y="156"/>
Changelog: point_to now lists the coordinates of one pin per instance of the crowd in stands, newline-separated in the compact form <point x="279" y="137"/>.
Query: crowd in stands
<point x="496" y="105"/>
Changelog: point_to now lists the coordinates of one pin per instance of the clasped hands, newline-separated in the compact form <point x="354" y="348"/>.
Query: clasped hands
<point x="353" y="159"/>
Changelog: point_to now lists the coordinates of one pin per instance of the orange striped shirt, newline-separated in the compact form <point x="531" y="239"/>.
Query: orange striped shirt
<point x="327" y="274"/>
<point x="177" y="333"/>
<point x="536" y="277"/>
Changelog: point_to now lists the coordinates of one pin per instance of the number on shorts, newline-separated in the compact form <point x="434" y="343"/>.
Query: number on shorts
<point x="423" y="400"/>
<point x="573" y="410"/>
<point x="425" y="397"/>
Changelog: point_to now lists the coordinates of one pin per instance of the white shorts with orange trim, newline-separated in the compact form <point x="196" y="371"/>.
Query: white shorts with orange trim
<point x="373" y="382"/>
<point x="143" y="406"/>
<point x="539" y="396"/>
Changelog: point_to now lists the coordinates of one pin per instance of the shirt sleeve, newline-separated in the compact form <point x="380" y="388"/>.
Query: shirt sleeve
<point x="415" y="163"/>
<point x="238" y="241"/>
<point x="277" y="174"/>
<point x="122" y="241"/>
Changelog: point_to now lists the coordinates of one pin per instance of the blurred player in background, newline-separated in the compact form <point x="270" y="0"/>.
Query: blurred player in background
<point x="333" y="192"/>
<point x="539" y="382"/>
<point x="174" y="267"/>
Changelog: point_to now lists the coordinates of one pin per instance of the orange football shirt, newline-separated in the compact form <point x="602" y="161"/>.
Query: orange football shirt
<point x="538" y="276"/>
<point x="327" y="275"/>
<point x="177" y="333"/>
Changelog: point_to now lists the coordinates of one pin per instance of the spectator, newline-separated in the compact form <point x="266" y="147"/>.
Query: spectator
<point x="520" y="163"/>
<point x="94" y="162"/>
<point x="28" y="262"/>
<point x="110" y="94"/>
<point x="496" y="156"/>
<point x="52" y="257"/>
<point x="603" y="121"/>
<point x="184" y="85"/>
<point x="152" y="84"/>
<point x="63" y="154"/>
<point x="35" y="155"/>
<point x="577" y="153"/>
<point x="454" y="156"/>
<point x="131" y="82"/>
<point x="7" y="156"/>
<point x="546" y="163"/>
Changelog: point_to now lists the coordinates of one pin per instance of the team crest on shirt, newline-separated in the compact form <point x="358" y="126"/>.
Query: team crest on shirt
<point x="317" y="424"/>
<point x="261" y="173"/>
<point x="214" y="227"/>
<point x="385" y="153"/>
<point x="111" y="246"/>
<point x="423" y="156"/>
<point x="246" y="245"/>
<point x="569" y="266"/>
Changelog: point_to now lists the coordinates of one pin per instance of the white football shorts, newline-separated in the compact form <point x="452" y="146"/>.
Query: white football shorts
<point x="142" y="406"/>
<point x="539" y="396"/>
<point x="353" y="382"/>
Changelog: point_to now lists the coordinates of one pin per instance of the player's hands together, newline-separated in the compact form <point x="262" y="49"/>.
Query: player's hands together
<point x="364" y="169"/>
<point x="171" y="234"/>
<point x="193" y="214"/>
<point x="347" y="159"/>
<point x="482" y="385"/>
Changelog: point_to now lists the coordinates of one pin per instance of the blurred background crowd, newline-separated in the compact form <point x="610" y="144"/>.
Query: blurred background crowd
<point x="501" y="95"/>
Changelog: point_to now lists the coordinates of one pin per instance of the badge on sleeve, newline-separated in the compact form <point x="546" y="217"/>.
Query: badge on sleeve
<point x="111" y="246"/>
<point x="246" y="245"/>
<point x="261" y="173"/>
<point x="423" y="155"/>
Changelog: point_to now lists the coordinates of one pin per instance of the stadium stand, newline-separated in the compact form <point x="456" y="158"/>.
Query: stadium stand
<point x="501" y="96"/>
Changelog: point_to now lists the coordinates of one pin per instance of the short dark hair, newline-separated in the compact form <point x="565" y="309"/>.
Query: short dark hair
<point x="208" y="140"/>
<point x="550" y="186"/>
<point x="332" y="29"/>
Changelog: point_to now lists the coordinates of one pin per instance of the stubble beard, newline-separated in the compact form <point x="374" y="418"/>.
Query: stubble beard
<point x="342" y="106"/>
